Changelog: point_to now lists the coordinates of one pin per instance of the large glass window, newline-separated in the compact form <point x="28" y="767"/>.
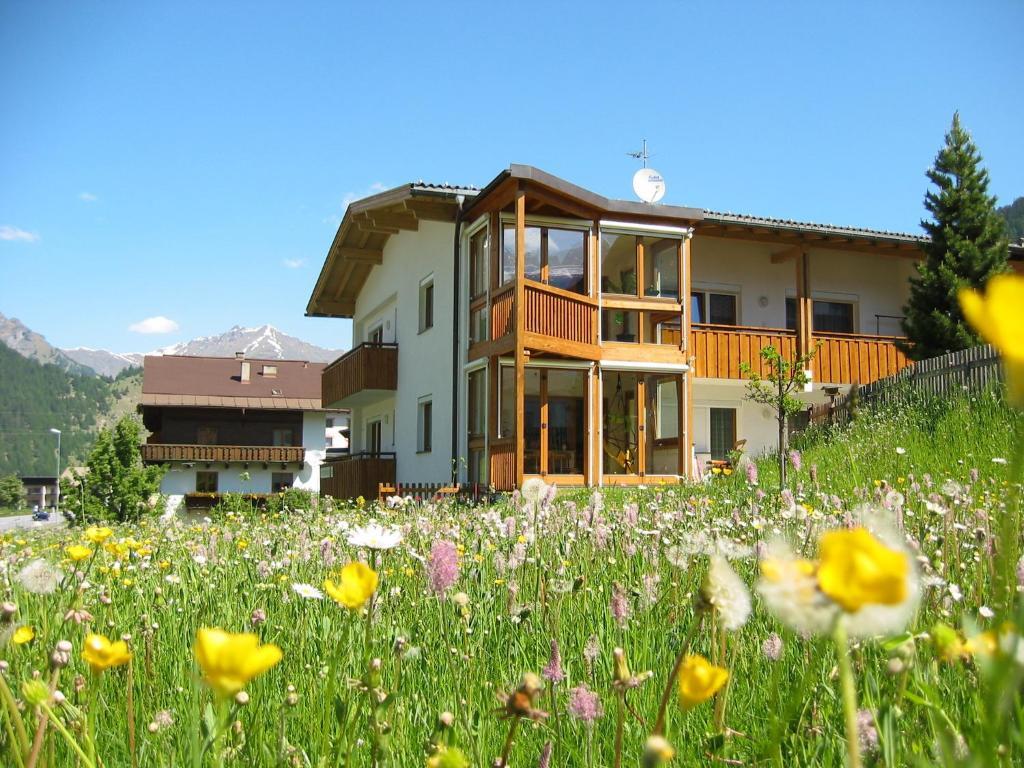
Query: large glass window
<point x="829" y="316"/>
<point x="478" y="325"/>
<point x="713" y="308"/>
<point x="553" y="256"/>
<point x="567" y="420"/>
<point x="478" y="263"/>
<point x="620" y="428"/>
<point x="661" y="268"/>
<point x="661" y="424"/>
<point x="531" y="422"/>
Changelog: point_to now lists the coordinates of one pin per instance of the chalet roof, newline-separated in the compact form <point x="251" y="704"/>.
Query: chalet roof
<point x="182" y="380"/>
<point x="809" y="227"/>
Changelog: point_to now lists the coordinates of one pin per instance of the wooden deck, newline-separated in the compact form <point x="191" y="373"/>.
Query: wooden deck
<point x="359" y="474"/>
<point x="366" y="367"/>
<point x="270" y="454"/>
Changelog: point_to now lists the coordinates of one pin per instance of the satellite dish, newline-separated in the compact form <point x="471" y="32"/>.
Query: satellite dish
<point x="649" y="185"/>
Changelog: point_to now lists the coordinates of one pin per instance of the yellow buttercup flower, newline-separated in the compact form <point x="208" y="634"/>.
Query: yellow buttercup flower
<point x="857" y="570"/>
<point x="356" y="584"/>
<point x="77" y="552"/>
<point x="229" y="661"/>
<point x="699" y="680"/>
<point x="101" y="654"/>
<point x="23" y="635"/>
<point x="98" y="534"/>
<point x="998" y="315"/>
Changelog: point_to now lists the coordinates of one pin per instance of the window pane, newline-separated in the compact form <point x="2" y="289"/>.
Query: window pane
<point x="661" y="267"/>
<point x="661" y="453"/>
<point x="697" y="312"/>
<point x="833" y="316"/>
<point x="567" y="254"/>
<point x="507" y="421"/>
<point x="477" y="406"/>
<point x="533" y="249"/>
<point x="722" y="309"/>
<point x="618" y="264"/>
<point x="620" y="423"/>
<point x="478" y="264"/>
<point x="791" y="314"/>
<point x="508" y="253"/>
<point x="620" y="325"/>
<point x="477" y="466"/>
<point x="478" y="325"/>
<point x="723" y="432"/>
<point x="531" y="422"/>
<point x="566" y="421"/>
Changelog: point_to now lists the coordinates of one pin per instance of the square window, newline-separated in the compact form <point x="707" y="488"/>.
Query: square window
<point x="283" y="437"/>
<point x="424" y="427"/>
<point x="281" y="481"/>
<point x="206" y="482"/>
<point x="270" y="371"/>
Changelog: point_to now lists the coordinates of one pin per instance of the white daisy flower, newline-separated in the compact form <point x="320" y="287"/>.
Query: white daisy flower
<point x="373" y="536"/>
<point x="307" y="591"/>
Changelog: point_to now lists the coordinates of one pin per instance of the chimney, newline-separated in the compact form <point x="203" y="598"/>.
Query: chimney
<point x="244" y="376"/>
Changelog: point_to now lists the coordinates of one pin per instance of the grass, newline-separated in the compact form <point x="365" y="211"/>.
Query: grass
<point x="159" y="583"/>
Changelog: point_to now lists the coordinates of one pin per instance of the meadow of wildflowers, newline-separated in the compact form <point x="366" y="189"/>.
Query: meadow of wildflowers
<point x="854" y="618"/>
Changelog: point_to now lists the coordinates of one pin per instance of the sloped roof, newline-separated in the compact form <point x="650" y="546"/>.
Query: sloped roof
<point x="181" y="380"/>
<point x="719" y="217"/>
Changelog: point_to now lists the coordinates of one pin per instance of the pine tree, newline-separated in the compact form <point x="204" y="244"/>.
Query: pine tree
<point x="968" y="246"/>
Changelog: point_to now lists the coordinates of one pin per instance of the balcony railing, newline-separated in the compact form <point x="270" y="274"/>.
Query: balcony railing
<point x="270" y="454"/>
<point x="561" y="314"/>
<point x="720" y="350"/>
<point x="357" y="475"/>
<point x="845" y="358"/>
<point x="842" y="358"/>
<point x="366" y="368"/>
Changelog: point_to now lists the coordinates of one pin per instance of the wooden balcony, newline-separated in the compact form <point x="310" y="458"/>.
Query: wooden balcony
<point x="360" y="375"/>
<point x="502" y="312"/>
<point x="842" y="358"/>
<point x="357" y="475"/>
<point x="845" y="358"/>
<point x="268" y="454"/>
<point x="560" y="321"/>
<point x="721" y="349"/>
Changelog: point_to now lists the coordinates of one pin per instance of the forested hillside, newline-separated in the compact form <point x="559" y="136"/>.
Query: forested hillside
<point x="35" y="398"/>
<point x="1014" y="217"/>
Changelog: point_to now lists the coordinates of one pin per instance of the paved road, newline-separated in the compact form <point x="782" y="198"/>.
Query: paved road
<point x="26" y="521"/>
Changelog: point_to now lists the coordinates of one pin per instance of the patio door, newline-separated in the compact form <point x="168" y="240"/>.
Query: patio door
<point x="640" y="425"/>
<point x="555" y="420"/>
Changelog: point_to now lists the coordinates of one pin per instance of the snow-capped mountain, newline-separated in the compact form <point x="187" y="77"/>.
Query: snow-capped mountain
<point x="265" y="341"/>
<point x="103" y="362"/>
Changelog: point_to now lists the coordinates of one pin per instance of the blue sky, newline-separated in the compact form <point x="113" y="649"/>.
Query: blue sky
<point x="192" y="161"/>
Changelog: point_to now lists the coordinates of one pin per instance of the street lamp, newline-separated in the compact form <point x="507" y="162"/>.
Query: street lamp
<point x="56" y="505"/>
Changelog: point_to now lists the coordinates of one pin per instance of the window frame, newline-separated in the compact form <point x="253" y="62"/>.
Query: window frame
<point x="206" y="474"/>
<point x="853" y="303"/>
<point x="426" y="304"/>
<point x="705" y="293"/>
<point x="507" y="223"/>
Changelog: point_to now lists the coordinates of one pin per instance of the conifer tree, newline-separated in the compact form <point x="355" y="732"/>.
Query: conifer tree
<point x="968" y="246"/>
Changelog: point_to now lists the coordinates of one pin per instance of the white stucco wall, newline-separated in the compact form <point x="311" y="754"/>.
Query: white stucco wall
<point x="391" y="296"/>
<point x="876" y="284"/>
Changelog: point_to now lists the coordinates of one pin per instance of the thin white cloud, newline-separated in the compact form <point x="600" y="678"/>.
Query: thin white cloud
<point x="158" y="324"/>
<point x="293" y="263"/>
<point x="351" y="197"/>
<point x="87" y="197"/>
<point x="14" y="234"/>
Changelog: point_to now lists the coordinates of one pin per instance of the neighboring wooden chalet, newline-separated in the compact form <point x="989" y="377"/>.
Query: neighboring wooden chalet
<point x="242" y="425"/>
<point x="536" y="328"/>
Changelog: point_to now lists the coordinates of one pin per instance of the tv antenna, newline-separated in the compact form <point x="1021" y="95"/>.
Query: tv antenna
<point x="642" y="155"/>
<point x="648" y="184"/>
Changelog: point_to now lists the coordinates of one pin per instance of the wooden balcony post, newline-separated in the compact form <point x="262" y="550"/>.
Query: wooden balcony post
<point x="804" y="304"/>
<point x="520" y="329"/>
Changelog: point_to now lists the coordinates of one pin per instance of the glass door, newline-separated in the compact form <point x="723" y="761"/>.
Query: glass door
<point x="555" y="421"/>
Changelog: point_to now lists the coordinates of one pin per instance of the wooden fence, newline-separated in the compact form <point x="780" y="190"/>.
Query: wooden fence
<point x="969" y="370"/>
